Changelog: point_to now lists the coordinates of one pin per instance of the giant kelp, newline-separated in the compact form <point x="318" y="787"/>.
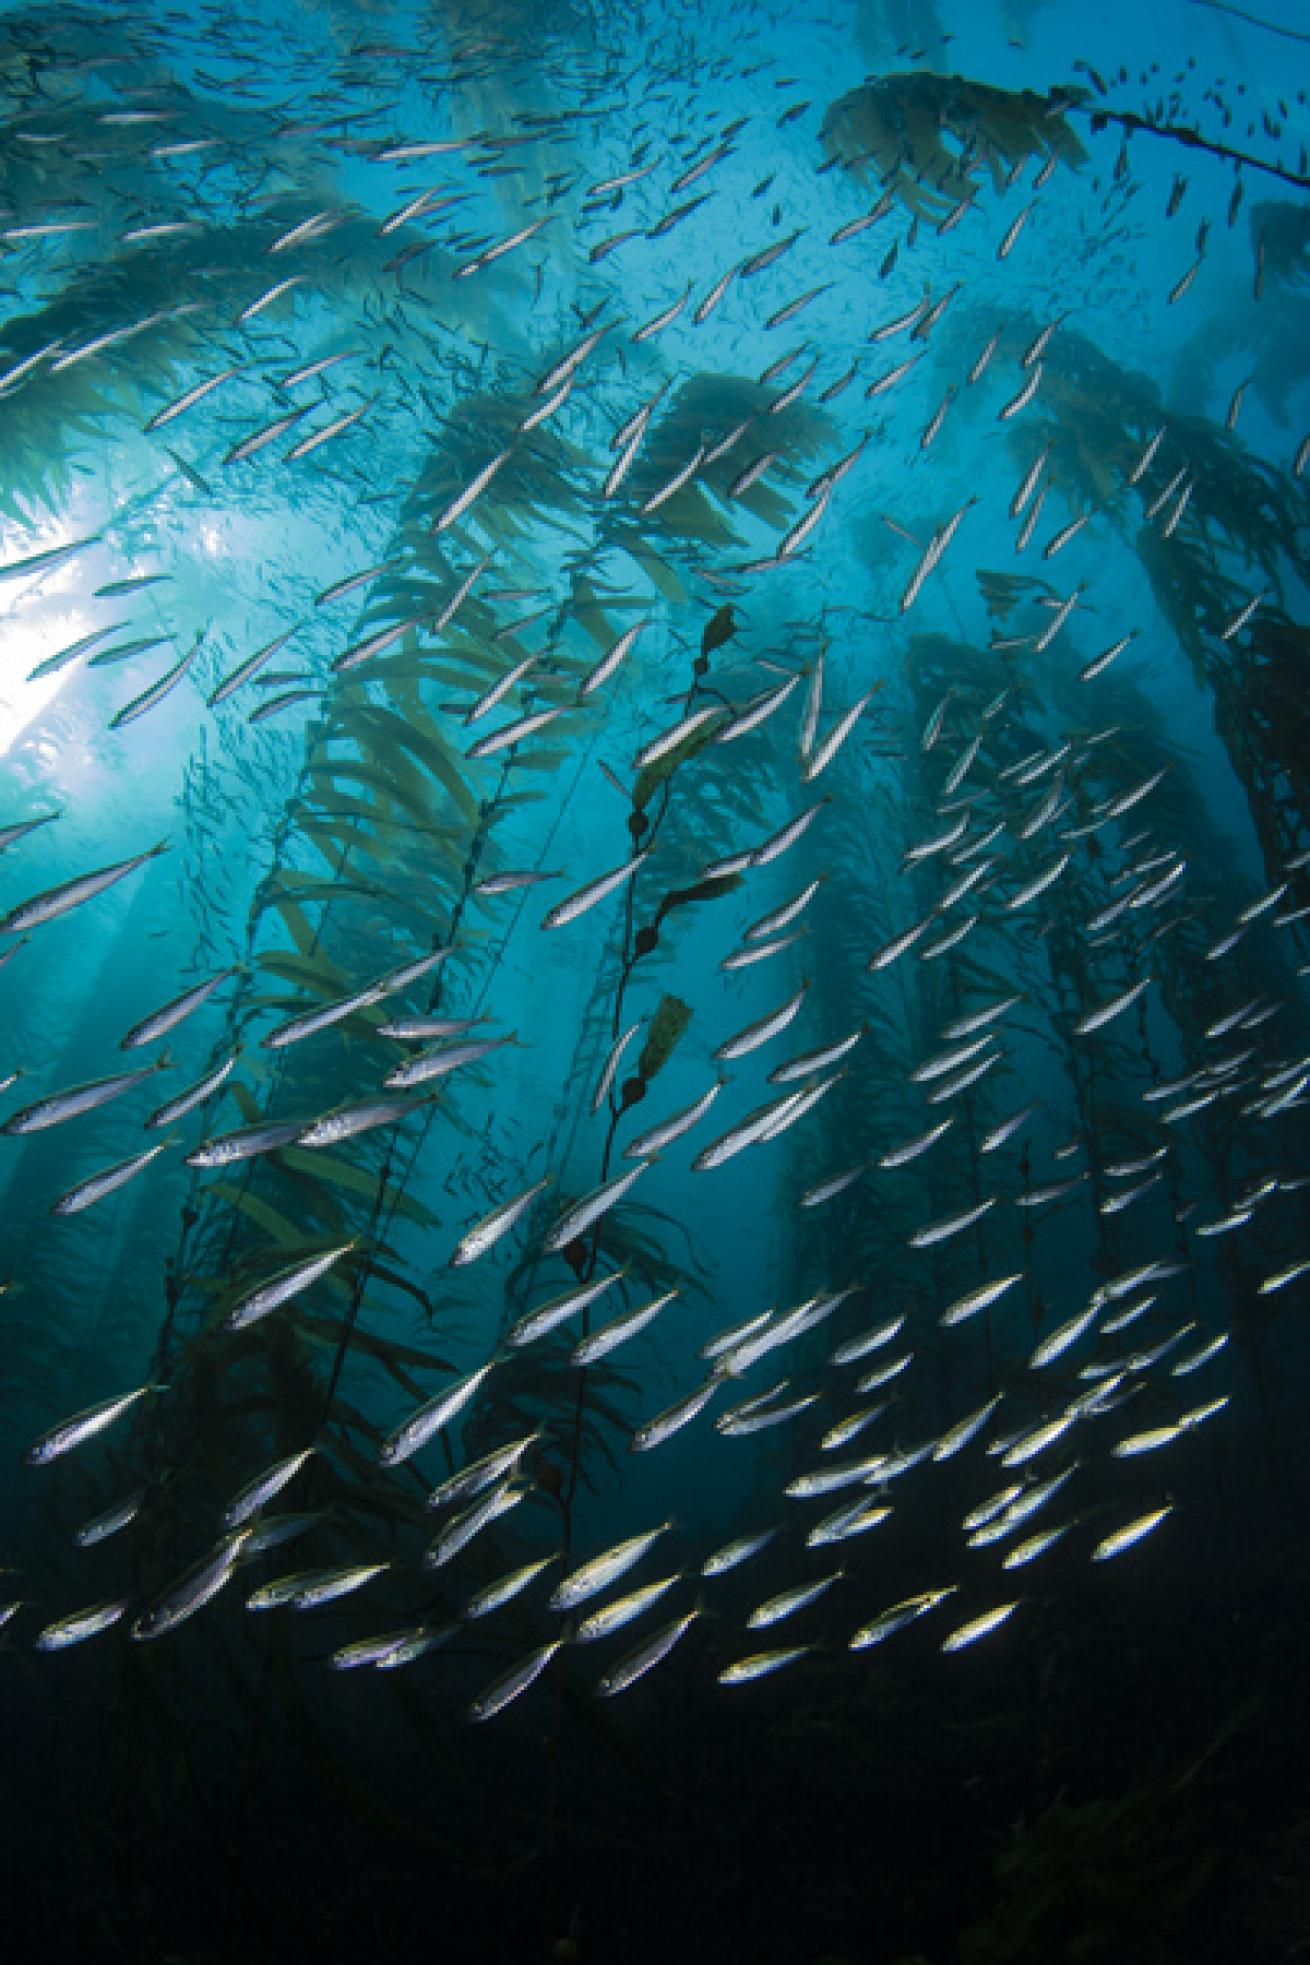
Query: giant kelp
<point x="931" y="137"/>
<point x="1280" y="233"/>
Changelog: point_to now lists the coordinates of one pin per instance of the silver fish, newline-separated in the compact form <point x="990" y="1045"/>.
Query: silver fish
<point x="756" y="712"/>
<point x="758" y="1414"/>
<point x="647" y="1144"/>
<point x="488" y="1231"/>
<point x="466" y="1525"/>
<point x="1106" y="1012"/>
<point x="83" y="1426"/>
<point x="612" y="1063"/>
<point x="187" y="401"/>
<point x="414" y="1433"/>
<point x="177" y="1108"/>
<point x="481" y="1474"/>
<point x="192" y="1591"/>
<point x="761" y="1664"/>
<point x="1030" y="1444"/>
<point x="760" y="1032"/>
<point x="538" y="1323"/>
<point x="655" y="1431"/>
<point x="810" y="1062"/>
<point x="619" y="1330"/>
<point x="226" y="1149"/>
<point x="959" y="1436"/>
<point x="99" y="1185"/>
<point x="333" y="429"/>
<point x="851" y="1519"/>
<point x="576" y="1220"/>
<point x="674" y="484"/>
<point x="368" y="1651"/>
<point x="81" y="1625"/>
<point x="102" y="1526"/>
<point x="1023" y="396"/>
<point x="296" y="1029"/>
<point x="775" y="1608"/>
<point x="888" y="1622"/>
<point x="259" y="439"/>
<point x="947" y="1226"/>
<point x="624" y="1609"/>
<point x="425" y="1030"/>
<point x="978" y="1299"/>
<point x="248" y="668"/>
<point x="161" y="1021"/>
<point x="506" y="1588"/>
<point x="783" y="916"/>
<point x="736" y="1552"/>
<point x="979" y="1627"/>
<point x="499" y="689"/>
<point x="664" y="319"/>
<point x="1034" y="1546"/>
<point x="600" y="1571"/>
<point x="309" y="1588"/>
<point x="589" y="896"/>
<point x="780" y="842"/>
<point x="1131" y="1533"/>
<point x="280" y="1288"/>
<point x="421" y="1070"/>
<point x="636" y="1663"/>
<point x="60" y="900"/>
<point x="349" y="1121"/>
<point x="503" y="246"/>
<point x="823" y="753"/>
<point x="472" y="491"/>
<point x="1067" y="1334"/>
<point x="62" y="1106"/>
<point x="892" y="951"/>
<point x="251" y="1498"/>
<point x="10" y="835"/>
<point x="611" y="660"/>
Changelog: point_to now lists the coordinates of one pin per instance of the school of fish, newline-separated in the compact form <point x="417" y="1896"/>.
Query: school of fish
<point x="629" y="244"/>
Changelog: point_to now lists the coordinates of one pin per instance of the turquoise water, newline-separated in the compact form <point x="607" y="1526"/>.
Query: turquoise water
<point x="657" y="833"/>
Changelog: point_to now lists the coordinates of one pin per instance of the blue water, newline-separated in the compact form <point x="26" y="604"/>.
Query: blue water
<point x="470" y="218"/>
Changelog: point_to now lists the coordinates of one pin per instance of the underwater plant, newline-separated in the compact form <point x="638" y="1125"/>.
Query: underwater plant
<point x="931" y="137"/>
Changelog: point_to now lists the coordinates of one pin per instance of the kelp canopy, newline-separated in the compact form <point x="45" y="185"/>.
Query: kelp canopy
<point x="1280" y="234"/>
<point x="933" y="138"/>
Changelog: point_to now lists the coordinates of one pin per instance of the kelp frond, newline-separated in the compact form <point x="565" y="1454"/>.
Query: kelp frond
<point x="930" y="137"/>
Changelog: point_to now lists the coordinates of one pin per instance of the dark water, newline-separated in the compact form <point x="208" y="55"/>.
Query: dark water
<point x="709" y="400"/>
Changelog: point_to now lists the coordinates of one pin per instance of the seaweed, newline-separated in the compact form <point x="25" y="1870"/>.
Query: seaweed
<point x="931" y="137"/>
<point x="1280" y="231"/>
